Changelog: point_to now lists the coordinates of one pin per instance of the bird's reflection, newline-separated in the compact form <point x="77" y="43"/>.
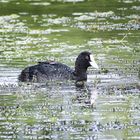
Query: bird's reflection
<point x="87" y="95"/>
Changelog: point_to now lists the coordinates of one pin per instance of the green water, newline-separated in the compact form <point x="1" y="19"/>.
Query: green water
<point x="108" y="107"/>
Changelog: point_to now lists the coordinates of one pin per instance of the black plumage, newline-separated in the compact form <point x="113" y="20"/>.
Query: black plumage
<point x="44" y="71"/>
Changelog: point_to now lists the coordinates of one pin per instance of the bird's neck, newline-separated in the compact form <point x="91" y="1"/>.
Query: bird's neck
<point x="80" y="73"/>
<point x="80" y="70"/>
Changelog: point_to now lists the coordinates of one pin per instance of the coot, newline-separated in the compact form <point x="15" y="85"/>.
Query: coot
<point x="44" y="71"/>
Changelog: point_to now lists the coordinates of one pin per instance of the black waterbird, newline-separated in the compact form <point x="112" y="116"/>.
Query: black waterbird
<point x="44" y="71"/>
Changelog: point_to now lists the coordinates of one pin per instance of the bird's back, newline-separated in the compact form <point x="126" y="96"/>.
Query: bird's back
<point x="46" y="71"/>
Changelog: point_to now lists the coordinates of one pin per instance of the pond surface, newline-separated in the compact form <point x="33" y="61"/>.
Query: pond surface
<point x="108" y="107"/>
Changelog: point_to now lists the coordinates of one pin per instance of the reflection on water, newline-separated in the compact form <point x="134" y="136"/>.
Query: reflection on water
<point x="108" y="107"/>
<point x="104" y="109"/>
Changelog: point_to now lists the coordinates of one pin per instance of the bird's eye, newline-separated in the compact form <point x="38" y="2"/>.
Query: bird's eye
<point x="87" y="57"/>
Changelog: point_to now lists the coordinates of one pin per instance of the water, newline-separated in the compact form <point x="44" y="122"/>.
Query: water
<point x="108" y="107"/>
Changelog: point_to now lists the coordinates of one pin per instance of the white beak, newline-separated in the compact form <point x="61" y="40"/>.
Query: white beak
<point x="92" y="62"/>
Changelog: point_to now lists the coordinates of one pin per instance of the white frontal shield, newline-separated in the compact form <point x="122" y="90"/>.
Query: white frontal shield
<point x="92" y="62"/>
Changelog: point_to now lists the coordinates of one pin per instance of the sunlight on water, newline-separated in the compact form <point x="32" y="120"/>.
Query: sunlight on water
<point x="40" y="3"/>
